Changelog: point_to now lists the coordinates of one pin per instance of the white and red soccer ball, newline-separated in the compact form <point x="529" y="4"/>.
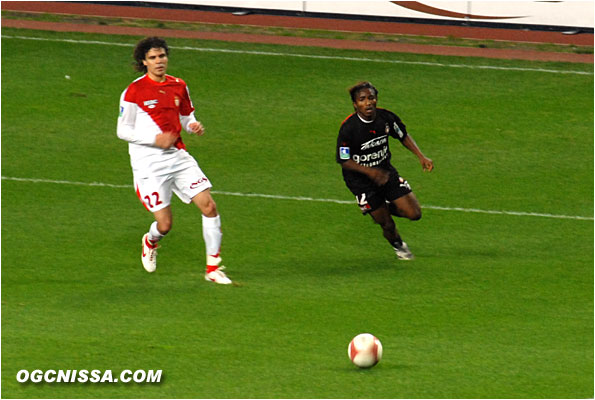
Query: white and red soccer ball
<point x="365" y="350"/>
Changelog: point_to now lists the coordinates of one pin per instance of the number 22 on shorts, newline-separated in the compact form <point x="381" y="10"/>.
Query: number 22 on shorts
<point x="154" y="197"/>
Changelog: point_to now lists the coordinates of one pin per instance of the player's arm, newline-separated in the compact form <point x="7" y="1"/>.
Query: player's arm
<point x="165" y="140"/>
<point x="127" y="129"/>
<point x="343" y="157"/>
<point x="379" y="176"/>
<point x="187" y="118"/>
<point x="426" y="163"/>
<point x="400" y="132"/>
<point x="191" y="125"/>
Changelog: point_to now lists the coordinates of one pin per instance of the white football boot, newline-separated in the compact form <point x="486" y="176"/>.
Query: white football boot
<point x="149" y="255"/>
<point x="403" y="252"/>
<point x="217" y="276"/>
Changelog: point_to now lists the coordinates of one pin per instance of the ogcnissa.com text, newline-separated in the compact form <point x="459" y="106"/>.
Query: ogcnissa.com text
<point x="91" y="376"/>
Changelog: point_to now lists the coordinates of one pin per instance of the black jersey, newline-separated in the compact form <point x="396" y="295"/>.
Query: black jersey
<point x="367" y="144"/>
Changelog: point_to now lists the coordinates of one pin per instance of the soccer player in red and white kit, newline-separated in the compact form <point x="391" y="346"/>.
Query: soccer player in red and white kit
<point x="153" y="110"/>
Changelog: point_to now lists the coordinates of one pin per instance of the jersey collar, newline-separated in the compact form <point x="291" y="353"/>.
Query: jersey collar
<point x="363" y="120"/>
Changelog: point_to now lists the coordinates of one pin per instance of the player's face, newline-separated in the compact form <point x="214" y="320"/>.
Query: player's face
<point x="156" y="63"/>
<point x="365" y="104"/>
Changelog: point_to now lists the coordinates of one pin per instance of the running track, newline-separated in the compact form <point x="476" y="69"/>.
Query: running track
<point x="90" y="9"/>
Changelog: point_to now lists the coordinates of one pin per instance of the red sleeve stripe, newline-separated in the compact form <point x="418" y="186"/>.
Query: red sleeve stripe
<point x="349" y="116"/>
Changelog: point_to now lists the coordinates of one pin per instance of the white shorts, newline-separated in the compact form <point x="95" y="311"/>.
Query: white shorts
<point x="155" y="192"/>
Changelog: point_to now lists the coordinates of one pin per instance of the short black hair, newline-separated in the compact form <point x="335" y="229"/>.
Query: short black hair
<point x="354" y="90"/>
<point x="143" y="47"/>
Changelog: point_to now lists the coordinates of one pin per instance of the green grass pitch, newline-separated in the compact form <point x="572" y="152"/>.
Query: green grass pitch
<point x="495" y="305"/>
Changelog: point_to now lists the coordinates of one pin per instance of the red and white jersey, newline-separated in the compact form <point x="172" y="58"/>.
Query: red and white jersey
<point x="148" y="108"/>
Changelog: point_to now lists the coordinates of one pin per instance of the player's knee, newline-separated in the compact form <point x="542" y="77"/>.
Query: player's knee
<point x="209" y="209"/>
<point x="164" y="226"/>
<point x="415" y="215"/>
<point x="412" y="212"/>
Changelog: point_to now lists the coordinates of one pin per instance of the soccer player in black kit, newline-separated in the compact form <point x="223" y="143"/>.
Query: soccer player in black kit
<point x="364" y="154"/>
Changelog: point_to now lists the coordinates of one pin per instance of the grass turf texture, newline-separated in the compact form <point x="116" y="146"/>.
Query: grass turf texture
<point x="494" y="306"/>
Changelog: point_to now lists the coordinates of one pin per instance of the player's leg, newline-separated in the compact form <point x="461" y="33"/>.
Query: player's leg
<point x="161" y="226"/>
<point x="402" y="201"/>
<point x="155" y="194"/>
<point x="383" y="218"/>
<point x="374" y="203"/>
<point x="211" y="230"/>
<point x="406" y="207"/>
<point x="193" y="186"/>
<point x="211" y="227"/>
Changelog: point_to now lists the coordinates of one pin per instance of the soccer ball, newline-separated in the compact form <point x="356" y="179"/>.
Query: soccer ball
<point x="365" y="350"/>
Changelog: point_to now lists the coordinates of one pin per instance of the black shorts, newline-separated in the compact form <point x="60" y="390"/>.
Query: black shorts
<point x="375" y="197"/>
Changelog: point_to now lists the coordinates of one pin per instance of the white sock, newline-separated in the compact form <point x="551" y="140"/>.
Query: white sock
<point x="154" y="234"/>
<point x="211" y="232"/>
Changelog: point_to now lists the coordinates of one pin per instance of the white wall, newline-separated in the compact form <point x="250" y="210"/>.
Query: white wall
<point x="557" y="13"/>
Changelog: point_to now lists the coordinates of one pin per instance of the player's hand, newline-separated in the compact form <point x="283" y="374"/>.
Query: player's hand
<point x="427" y="164"/>
<point x="197" y="128"/>
<point x="379" y="176"/>
<point x="165" y="140"/>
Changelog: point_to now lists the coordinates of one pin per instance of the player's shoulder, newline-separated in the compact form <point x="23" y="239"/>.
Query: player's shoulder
<point x="133" y="88"/>
<point x="174" y="80"/>
<point x="386" y="114"/>
<point x="137" y="84"/>
<point x="349" y="120"/>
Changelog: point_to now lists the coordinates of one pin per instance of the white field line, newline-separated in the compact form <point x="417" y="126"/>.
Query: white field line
<point x="311" y="199"/>
<point x="313" y="56"/>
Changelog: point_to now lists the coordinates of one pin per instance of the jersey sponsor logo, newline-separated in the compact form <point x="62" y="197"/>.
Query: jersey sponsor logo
<point x="375" y="142"/>
<point x="151" y="103"/>
<point x="344" y="153"/>
<point x="372" y="159"/>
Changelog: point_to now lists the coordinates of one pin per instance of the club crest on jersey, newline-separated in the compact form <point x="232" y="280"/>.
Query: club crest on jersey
<point x="177" y="101"/>
<point x="151" y="103"/>
<point x="386" y="128"/>
<point x="344" y="153"/>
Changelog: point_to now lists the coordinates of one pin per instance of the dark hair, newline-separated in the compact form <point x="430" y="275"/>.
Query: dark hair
<point x="353" y="91"/>
<point x="143" y="47"/>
